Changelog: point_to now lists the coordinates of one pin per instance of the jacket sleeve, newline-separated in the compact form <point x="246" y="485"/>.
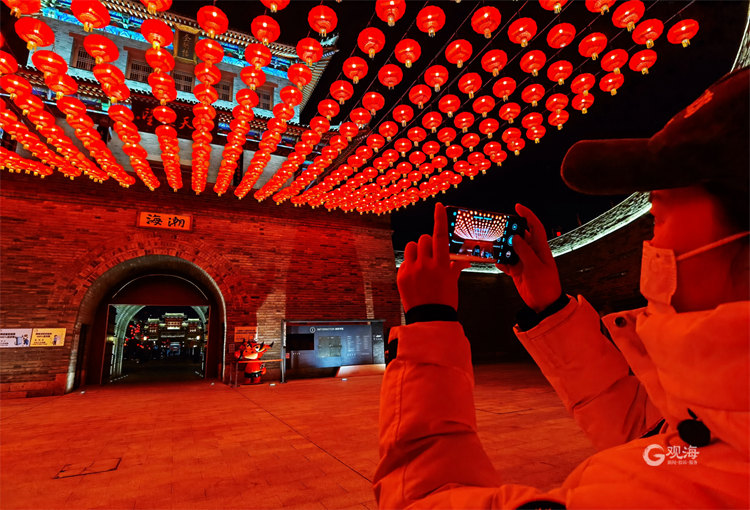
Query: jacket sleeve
<point x="430" y="454"/>
<point x="590" y="375"/>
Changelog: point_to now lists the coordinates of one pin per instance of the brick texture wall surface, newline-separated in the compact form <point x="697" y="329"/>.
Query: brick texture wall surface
<point x="269" y="262"/>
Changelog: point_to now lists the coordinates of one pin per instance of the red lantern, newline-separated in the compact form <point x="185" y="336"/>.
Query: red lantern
<point x="417" y="157"/>
<point x="91" y="13"/>
<point x="535" y="133"/>
<point x="533" y="93"/>
<point x="275" y="5"/>
<point x="207" y="73"/>
<point x="464" y="121"/>
<point x="432" y="120"/>
<point x="532" y="119"/>
<point x="522" y="31"/>
<point x="516" y="145"/>
<point x="291" y="95"/>
<point x="373" y="101"/>
<point x="164" y="114"/>
<point x="642" y="61"/>
<point x="390" y="75"/>
<point x="532" y="61"/>
<point x="470" y="140"/>
<point x="600" y="6"/>
<point x="355" y="68"/>
<point x="8" y="64"/>
<point x="48" y="62"/>
<point x="561" y="35"/>
<point x="104" y="50"/>
<point x="23" y="7"/>
<point x="419" y="95"/>
<point x="212" y="20"/>
<point x="375" y="141"/>
<point x="120" y="113"/>
<point x="371" y="40"/>
<point x="483" y="105"/>
<point x="553" y="5"/>
<point x="446" y="135"/>
<point x="647" y="32"/>
<point x="559" y="71"/>
<point x="209" y="51"/>
<point x="299" y="74"/>
<point x="403" y="146"/>
<point x="431" y="148"/>
<point x="458" y="51"/>
<point x="628" y="14"/>
<point x="403" y="114"/>
<point x="109" y="74"/>
<point x="485" y="20"/>
<point x="488" y="127"/>
<point x="582" y="103"/>
<point x="206" y="94"/>
<point x="454" y="152"/>
<point x="391" y="156"/>
<point x="348" y="130"/>
<point x="61" y="84"/>
<point x="35" y="32"/>
<point x="582" y="83"/>
<point x="309" y="50"/>
<point x="157" y="33"/>
<point x="416" y="135"/>
<point x="388" y="129"/>
<point x="493" y="61"/>
<point x="154" y="6"/>
<point x="470" y="83"/>
<point x="592" y="45"/>
<point x="265" y="29"/>
<point x="247" y="98"/>
<point x="322" y="19"/>
<point x="436" y="76"/>
<point x="320" y="125"/>
<point x="556" y="102"/>
<point x="328" y="108"/>
<point x="504" y="87"/>
<point x="682" y="31"/>
<point x="253" y="77"/>
<point x="312" y="138"/>
<point x="360" y="116"/>
<point x="448" y="104"/>
<point x="611" y="82"/>
<point x="430" y="19"/>
<point x="509" y="111"/>
<point x="559" y="118"/>
<point x="390" y="11"/>
<point x="614" y="60"/>
<point x="341" y="90"/>
<point x="407" y="51"/>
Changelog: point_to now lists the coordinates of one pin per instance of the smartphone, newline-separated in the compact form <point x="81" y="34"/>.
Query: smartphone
<point x="482" y="236"/>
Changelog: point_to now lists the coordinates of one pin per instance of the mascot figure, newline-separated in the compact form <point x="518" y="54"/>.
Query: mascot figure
<point x="254" y="368"/>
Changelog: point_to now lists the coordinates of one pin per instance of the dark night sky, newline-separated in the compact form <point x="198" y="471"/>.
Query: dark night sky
<point x="639" y="109"/>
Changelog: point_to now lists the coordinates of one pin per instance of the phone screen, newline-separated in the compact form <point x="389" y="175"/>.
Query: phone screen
<point x="482" y="236"/>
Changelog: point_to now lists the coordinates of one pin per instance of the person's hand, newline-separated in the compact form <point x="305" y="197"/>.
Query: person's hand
<point x="427" y="276"/>
<point x="535" y="275"/>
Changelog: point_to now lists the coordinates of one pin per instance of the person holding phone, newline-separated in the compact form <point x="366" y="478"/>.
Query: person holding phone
<point x="670" y="379"/>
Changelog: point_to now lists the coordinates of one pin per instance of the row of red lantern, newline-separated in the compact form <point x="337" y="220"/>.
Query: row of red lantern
<point x="15" y="163"/>
<point x="236" y="138"/>
<point x="31" y="142"/>
<point x="128" y="133"/>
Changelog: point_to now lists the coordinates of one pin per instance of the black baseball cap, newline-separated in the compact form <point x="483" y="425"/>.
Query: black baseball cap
<point x="707" y="143"/>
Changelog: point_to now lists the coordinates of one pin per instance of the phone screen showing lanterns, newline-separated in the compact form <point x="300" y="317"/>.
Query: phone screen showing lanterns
<point x="481" y="236"/>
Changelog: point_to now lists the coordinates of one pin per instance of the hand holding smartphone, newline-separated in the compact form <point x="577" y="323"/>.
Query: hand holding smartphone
<point x="482" y="236"/>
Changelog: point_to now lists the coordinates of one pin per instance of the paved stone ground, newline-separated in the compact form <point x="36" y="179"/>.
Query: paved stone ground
<point x="309" y="444"/>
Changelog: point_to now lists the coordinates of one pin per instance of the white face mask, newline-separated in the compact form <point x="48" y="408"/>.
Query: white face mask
<point x="659" y="269"/>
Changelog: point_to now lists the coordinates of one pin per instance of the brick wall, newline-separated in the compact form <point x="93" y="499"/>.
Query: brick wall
<point x="58" y="238"/>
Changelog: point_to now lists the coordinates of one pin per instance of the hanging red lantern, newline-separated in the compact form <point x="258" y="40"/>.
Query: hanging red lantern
<point x="341" y="90"/>
<point x="48" y="62"/>
<point x="308" y="50"/>
<point x="439" y="162"/>
<point x="516" y="145"/>
<point x="611" y="82"/>
<point x="157" y="33"/>
<point x="504" y="87"/>
<point x="209" y="51"/>
<point x="483" y="105"/>
<point x="430" y="19"/>
<point x="416" y="158"/>
<point x="416" y="135"/>
<point x="561" y="35"/>
<point x="470" y="140"/>
<point x="448" y="104"/>
<point x="592" y="45"/>
<point x="390" y="75"/>
<point x="403" y="114"/>
<point x="533" y="93"/>
<point x="559" y="71"/>
<point x="494" y="61"/>
<point x="464" y="121"/>
<point x="355" y="68"/>
<point x="454" y="152"/>
<point x="475" y="158"/>
<point x="375" y="141"/>
<point x="647" y="32"/>
<point x="682" y="31"/>
<point x="533" y="61"/>
<point x="154" y="6"/>
<point x="485" y="20"/>
<point x="91" y="13"/>
<point x="328" y="108"/>
<point x="628" y="14"/>
<point x="390" y="11"/>
<point x="23" y="7"/>
<point x="522" y="31"/>
<point x="319" y="124"/>
<point x="371" y="40"/>
<point x="419" y="95"/>
<point x="431" y="148"/>
<point x="120" y="113"/>
<point x="407" y="52"/>
<point x="388" y="129"/>
<point x="253" y="77"/>
<point x="291" y="95"/>
<point x="212" y="20"/>
<point x="207" y="73"/>
<point x="391" y="156"/>
<point x="436" y="76"/>
<point x="536" y="133"/>
<point x="299" y="74"/>
<point x="205" y="93"/>
<point x="458" y="51"/>
<point x="582" y="103"/>
<point x="553" y="5"/>
<point x="265" y="29"/>
<point x="402" y="145"/>
<point x="257" y="55"/>
<point x="488" y="127"/>
<point x="61" y="84"/>
<point x="432" y="120"/>
<point x="532" y="119"/>
<point x="582" y="83"/>
<point x="275" y="5"/>
<point x="446" y="135"/>
<point x="373" y="101"/>
<point x="642" y="61"/>
<point x="8" y="64"/>
<point x="470" y="83"/>
<point x="107" y="73"/>
<point x="509" y="111"/>
<point x="322" y="19"/>
<point x="556" y="102"/>
<point x="247" y="98"/>
<point x="103" y="49"/>
<point x="600" y="6"/>
<point x="360" y="116"/>
<point x="35" y="32"/>
<point x="614" y="60"/>
<point x="164" y="114"/>
<point x="559" y="118"/>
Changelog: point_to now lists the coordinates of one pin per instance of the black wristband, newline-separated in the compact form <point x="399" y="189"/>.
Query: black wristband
<point x="431" y="313"/>
<point x="528" y="318"/>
